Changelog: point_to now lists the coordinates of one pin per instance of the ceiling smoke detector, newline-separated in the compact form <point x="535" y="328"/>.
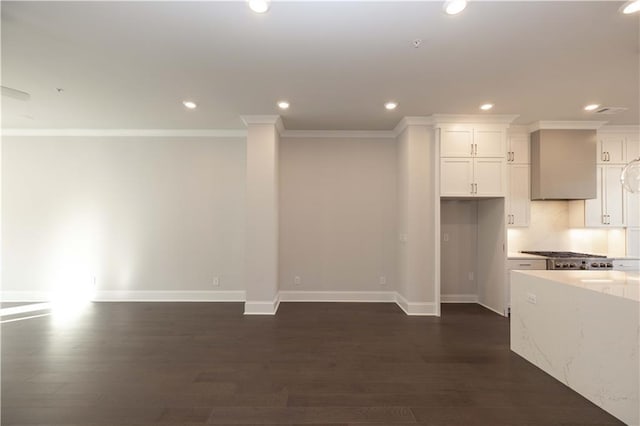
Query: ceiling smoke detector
<point x="416" y="43"/>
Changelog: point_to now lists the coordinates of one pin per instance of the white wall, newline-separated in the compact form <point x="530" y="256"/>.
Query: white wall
<point x="337" y="214"/>
<point x="458" y="249"/>
<point x="549" y="230"/>
<point x="139" y="214"/>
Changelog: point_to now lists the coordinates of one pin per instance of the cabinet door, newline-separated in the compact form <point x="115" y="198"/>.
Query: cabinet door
<point x="490" y="143"/>
<point x="613" y="195"/>
<point x="633" y="148"/>
<point x="519" y="199"/>
<point x="519" y="147"/>
<point x="594" y="209"/>
<point x="633" y="209"/>
<point x="456" y="142"/>
<point x="633" y="242"/>
<point x="456" y="177"/>
<point x="489" y="176"/>
<point x="612" y="149"/>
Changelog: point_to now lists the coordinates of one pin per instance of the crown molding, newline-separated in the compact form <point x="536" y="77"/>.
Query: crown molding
<point x="412" y="121"/>
<point x="339" y="134"/>
<point x="566" y="125"/>
<point x="162" y="133"/>
<point x="518" y="130"/>
<point x="632" y="128"/>
<point x="505" y="119"/>
<point x="274" y="120"/>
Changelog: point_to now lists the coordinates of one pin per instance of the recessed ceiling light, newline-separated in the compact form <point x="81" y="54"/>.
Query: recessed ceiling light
<point x="453" y="7"/>
<point x="592" y="107"/>
<point x="283" y="105"/>
<point x="189" y="104"/>
<point x="391" y="105"/>
<point x="632" y="7"/>
<point x="486" y="107"/>
<point x="259" y="6"/>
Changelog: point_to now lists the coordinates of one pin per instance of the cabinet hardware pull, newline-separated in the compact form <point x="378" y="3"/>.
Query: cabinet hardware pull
<point x="476" y="153"/>
<point x="524" y="264"/>
<point x="471" y="191"/>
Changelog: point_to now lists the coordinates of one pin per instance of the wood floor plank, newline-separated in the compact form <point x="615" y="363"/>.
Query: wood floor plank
<point x="188" y="364"/>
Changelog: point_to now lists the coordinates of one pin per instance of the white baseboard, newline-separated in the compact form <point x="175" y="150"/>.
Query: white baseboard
<point x="262" y="308"/>
<point x="134" y="296"/>
<point x="337" y="296"/>
<point x="170" y="296"/>
<point x="25" y="296"/>
<point x="250" y="308"/>
<point x="491" y="309"/>
<point x="413" y="308"/>
<point x="459" y="298"/>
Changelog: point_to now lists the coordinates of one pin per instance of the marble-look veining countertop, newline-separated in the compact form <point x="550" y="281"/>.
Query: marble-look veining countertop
<point x="615" y="283"/>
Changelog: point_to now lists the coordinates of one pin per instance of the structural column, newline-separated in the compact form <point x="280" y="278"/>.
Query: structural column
<point x="262" y="215"/>
<point x="418" y="214"/>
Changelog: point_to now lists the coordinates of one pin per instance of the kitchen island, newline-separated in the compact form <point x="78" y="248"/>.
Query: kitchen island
<point x="582" y="328"/>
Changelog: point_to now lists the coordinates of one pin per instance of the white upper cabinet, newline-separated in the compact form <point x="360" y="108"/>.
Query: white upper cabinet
<point x="633" y="209"/>
<point x="457" y="142"/>
<point x="618" y="148"/>
<point x="633" y="148"/>
<point x="518" y="149"/>
<point x="489" y="143"/>
<point x="518" y="198"/>
<point x="612" y="149"/>
<point x="456" y="177"/>
<point x="608" y="209"/>
<point x="469" y="142"/>
<point x="489" y="177"/>
<point x="613" y="195"/>
<point x="472" y="161"/>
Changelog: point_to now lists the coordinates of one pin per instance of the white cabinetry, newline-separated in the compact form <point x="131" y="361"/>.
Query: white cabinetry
<point x="613" y="207"/>
<point x="626" y="265"/>
<point x="518" y="196"/>
<point x="472" y="161"/>
<point x="518" y="151"/>
<point x="607" y="210"/>
<point x="612" y="149"/>
<point x="518" y="180"/>
<point x="472" y="177"/>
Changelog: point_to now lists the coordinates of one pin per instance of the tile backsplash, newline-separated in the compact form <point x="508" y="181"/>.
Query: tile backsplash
<point x="549" y="230"/>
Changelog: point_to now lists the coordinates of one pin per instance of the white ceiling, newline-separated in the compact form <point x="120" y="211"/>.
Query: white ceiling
<point x="130" y="64"/>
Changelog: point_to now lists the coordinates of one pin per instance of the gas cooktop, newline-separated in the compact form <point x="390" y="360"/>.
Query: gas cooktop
<point x="564" y="254"/>
<point x="573" y="260"/>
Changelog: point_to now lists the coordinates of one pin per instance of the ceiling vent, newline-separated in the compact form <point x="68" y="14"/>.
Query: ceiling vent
<point x="605" y="110"/>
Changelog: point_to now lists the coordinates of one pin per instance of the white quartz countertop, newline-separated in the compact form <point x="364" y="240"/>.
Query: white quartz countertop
<point x="615" y="283"/>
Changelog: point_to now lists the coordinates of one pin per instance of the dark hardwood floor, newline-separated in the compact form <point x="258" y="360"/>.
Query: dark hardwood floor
<point x="312" y="363"/>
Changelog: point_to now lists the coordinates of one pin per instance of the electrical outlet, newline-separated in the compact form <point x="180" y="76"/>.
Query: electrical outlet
<point x="383" y="280"/>
<point x="297" y="280"/>
<point x="445" y="237"/>
<point x="404" y="238"/>
<point x="216" y="281"/>
<point x="531" y="298"/>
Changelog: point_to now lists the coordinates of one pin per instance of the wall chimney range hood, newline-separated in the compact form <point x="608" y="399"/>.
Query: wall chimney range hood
<point x="563" y="164"/>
